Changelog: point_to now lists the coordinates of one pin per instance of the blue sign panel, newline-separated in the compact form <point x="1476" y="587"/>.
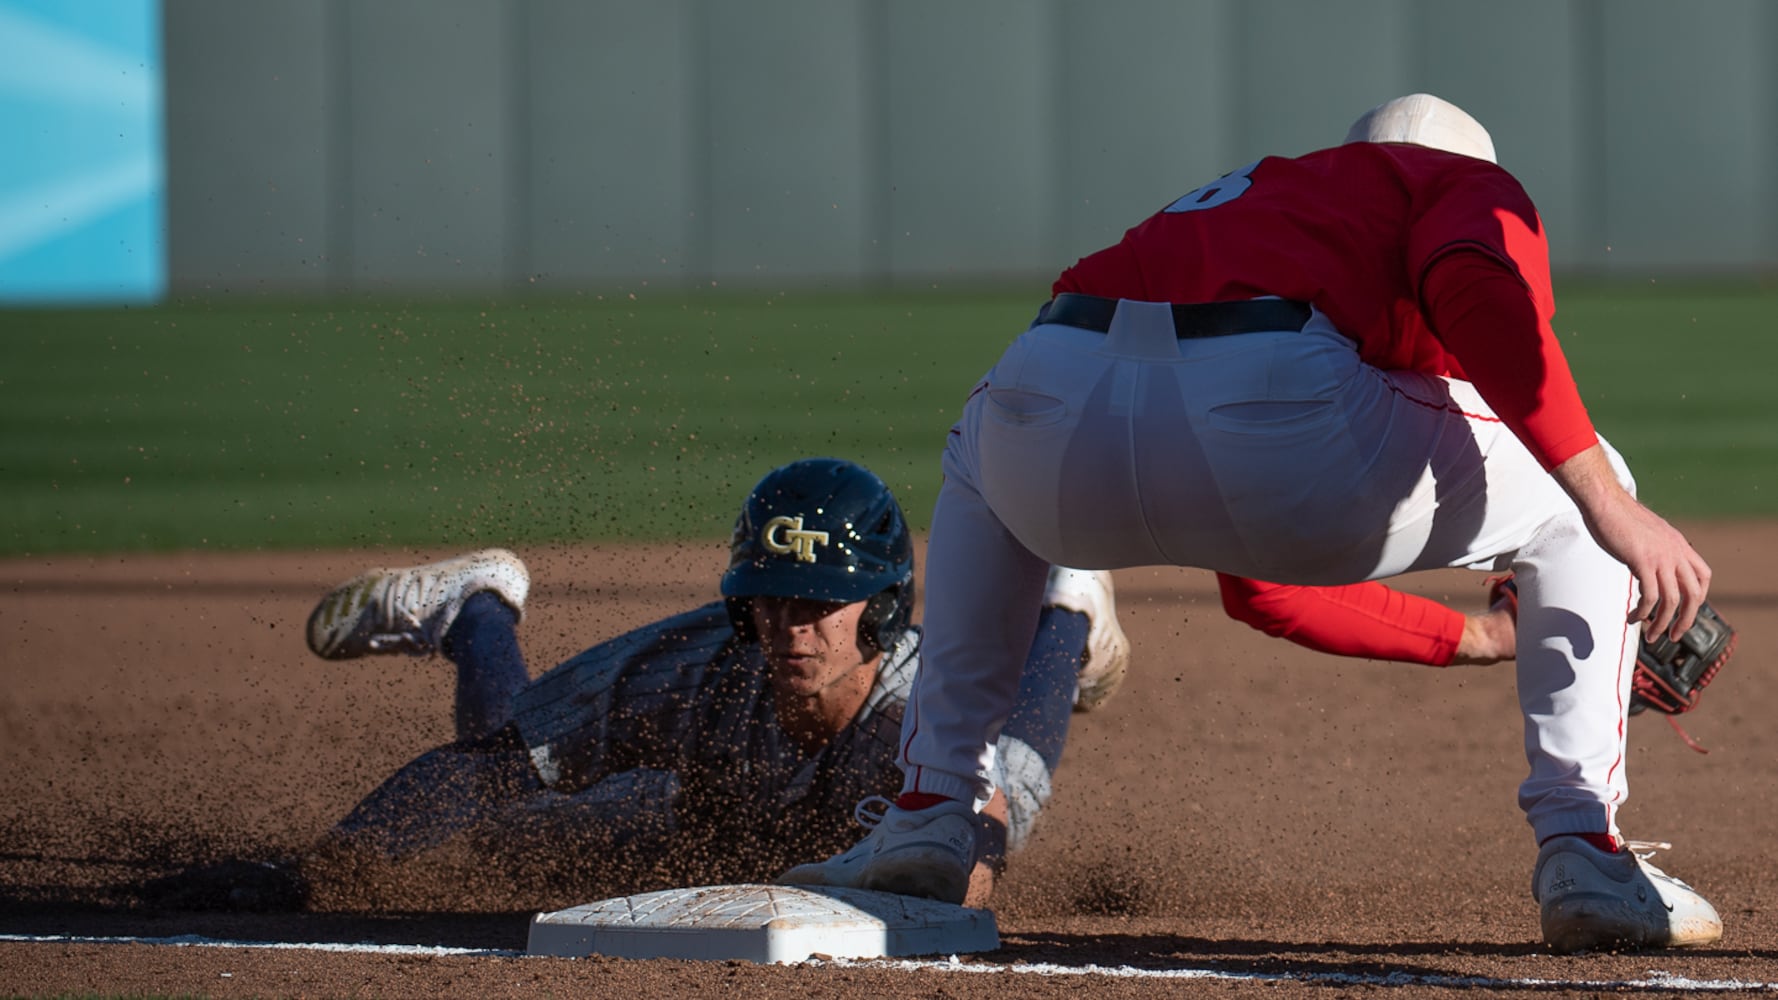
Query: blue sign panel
<point x="82" y="175"/>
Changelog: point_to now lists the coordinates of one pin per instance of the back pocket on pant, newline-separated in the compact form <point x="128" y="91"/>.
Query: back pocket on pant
<point x="1025" y="409"/>
<point x="1267" y="416"/>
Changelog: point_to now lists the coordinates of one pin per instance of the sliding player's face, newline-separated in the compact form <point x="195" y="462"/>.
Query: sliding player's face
<point x="813" y="646"/>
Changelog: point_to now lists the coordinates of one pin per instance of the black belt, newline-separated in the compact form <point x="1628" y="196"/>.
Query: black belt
<point x="1196" y="319"/>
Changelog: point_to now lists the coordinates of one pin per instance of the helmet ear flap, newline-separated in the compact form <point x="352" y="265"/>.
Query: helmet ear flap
<point x="887" y="614"/>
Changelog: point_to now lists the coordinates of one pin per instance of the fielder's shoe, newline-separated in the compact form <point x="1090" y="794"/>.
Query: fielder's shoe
<point x="409" y="610"/>
<point x="1592" y="899"/>
<point x="924" y="852"/>
<point x="1108" y="648"/>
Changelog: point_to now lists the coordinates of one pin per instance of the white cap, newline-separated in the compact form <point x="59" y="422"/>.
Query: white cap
<point x="1424" y="120"/>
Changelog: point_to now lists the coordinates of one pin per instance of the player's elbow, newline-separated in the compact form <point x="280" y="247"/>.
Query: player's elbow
<point x="1264" y="606"/>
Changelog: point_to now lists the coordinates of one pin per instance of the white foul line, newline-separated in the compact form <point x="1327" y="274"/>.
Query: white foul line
<point x="1654" y="980"/>
<point x="195" y="941"/>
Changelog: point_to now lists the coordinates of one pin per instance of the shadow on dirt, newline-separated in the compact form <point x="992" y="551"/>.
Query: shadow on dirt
<point x="503" y="932"/>
<point x="1267" y="958"/>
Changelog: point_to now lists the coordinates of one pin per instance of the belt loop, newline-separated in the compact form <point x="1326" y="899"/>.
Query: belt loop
<point x="1142" y="330"/>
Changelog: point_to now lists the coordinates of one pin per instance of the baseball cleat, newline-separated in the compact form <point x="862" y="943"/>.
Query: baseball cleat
<point x="1594" y="900"/>
<point x="409" y="610"/>
<point x="925" y="852"/>
<point x="1107" y="657"/>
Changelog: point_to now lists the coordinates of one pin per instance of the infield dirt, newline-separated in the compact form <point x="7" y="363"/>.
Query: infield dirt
<point x="1242" y="805"/>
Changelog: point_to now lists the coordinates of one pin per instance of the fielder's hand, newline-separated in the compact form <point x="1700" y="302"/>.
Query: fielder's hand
<point x="1670" y="575"/>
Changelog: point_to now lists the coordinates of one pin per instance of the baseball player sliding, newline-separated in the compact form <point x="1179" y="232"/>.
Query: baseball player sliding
<point x="1319" y="371"/>
<point x="718" y="745"/>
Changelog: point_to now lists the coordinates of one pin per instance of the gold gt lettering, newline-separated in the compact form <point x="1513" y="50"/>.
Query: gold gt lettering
<point x="786" y="534"/>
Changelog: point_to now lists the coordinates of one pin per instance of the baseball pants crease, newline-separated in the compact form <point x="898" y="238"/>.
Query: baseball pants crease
<point x="1279" y="456"/>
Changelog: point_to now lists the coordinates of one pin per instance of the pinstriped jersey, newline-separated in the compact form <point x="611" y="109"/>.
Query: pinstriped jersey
<point x="686" y="695"/>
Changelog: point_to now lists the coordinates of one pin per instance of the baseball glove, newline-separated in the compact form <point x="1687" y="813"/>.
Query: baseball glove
<point x="1670" y="676"/>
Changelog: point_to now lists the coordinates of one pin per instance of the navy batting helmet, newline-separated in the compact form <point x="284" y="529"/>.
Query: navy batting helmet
<point x="824" y="529"/>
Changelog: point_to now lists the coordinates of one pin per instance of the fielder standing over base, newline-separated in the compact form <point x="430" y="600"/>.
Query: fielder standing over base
<point x="1319" y="370"/>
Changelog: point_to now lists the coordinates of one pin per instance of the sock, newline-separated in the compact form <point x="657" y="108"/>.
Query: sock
<point x="484" y="644"/>
<point x="1045" y="704"/>
<point x="915" y="801"/>
<point x="1602" y="841"/>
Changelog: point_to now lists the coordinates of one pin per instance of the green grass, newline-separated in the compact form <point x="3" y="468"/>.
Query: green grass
<point x="232" y="426"/>
<point x="284" y="425"/>
<point x="1681" y="381"/>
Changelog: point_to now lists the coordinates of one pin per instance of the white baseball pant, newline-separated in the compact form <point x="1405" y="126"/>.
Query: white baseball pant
<point x="1279" y="456"/>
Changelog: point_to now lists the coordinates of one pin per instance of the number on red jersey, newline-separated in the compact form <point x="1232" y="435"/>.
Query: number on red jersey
<point x="1226" y="188"/>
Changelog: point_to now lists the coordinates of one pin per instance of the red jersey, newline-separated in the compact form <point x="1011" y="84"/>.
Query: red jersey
<point x="1357" y="230"/>
<point x="1430" y="262"/>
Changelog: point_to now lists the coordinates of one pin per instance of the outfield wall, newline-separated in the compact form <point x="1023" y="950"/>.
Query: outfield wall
<point x="323" y="146"/>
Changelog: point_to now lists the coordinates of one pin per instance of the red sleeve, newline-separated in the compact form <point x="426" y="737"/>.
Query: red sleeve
<point x="1486" y="318"/>
<point x="1366" y="620"/>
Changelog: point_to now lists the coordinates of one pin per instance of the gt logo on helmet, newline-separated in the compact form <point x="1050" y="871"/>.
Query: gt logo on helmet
<point x="785" y="534"/>
<point x="823" y="529"/>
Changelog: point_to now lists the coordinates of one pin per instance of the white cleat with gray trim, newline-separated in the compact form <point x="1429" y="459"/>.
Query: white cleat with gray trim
<point x="409" y="610"/>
